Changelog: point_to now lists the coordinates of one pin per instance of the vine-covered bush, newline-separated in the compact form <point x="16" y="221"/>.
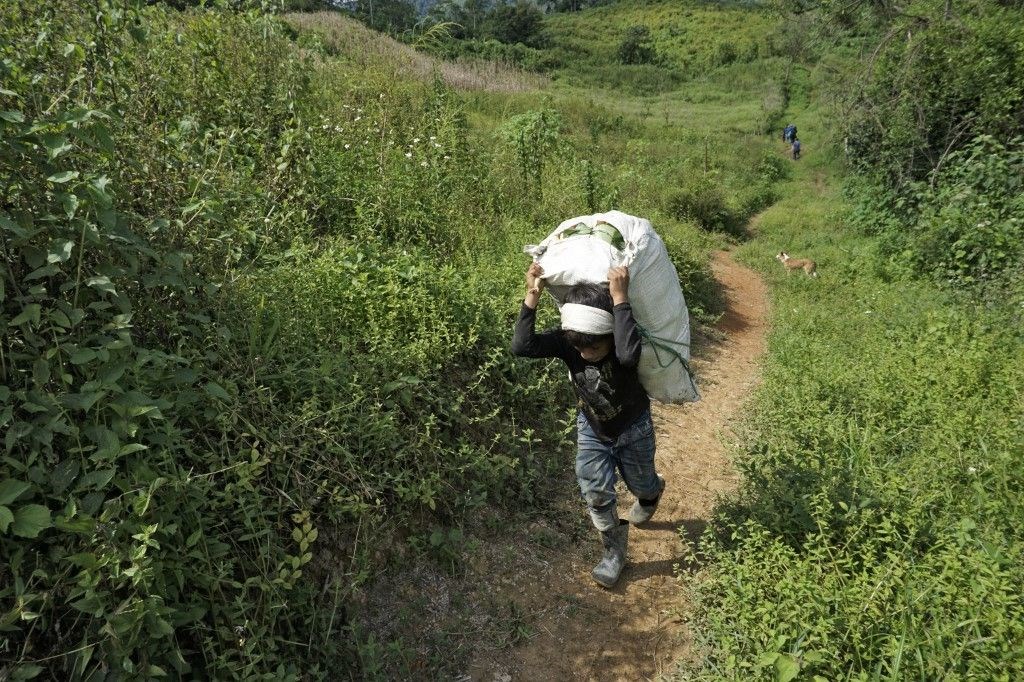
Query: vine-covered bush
<point x="229" y="354"/>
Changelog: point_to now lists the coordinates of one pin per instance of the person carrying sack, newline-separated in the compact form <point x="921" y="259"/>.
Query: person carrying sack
<point x="600" y="343"/>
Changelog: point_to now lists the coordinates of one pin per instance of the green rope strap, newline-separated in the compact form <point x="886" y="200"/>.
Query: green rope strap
<point x="660" y="344"/>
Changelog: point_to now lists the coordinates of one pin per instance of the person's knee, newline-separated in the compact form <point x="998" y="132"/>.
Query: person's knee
<point x="600" y="500"/>
<point x="603" y="511"/>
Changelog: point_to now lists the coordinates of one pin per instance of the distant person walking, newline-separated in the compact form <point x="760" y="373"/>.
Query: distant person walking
<point x="796" y="148"/>
<point x="789" y="133"/>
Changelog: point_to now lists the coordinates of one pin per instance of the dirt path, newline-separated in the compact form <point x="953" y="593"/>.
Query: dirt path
<point x="634" y="632"/>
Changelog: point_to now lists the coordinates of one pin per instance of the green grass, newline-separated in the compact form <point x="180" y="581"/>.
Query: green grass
<point x="690" y="37"/>
<point x="874" y="534"/>
<point x="292" y="265"/>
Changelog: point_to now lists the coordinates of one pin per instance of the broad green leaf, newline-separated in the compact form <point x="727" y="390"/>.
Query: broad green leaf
<point x="82" y="401"/>
<point x="45" y="271"/>
<point x="31" y="520"/>
<point x="29" y="314"/>
<point x="56" y="145"/>
<point x="60" y="319"/>
<point x="786" y="668"/>
<point x="131" y="448"/>
<point x="60" y="251"/>
<point x="26" y="672"/>
<point x="82" y="356"/>
<point x="63" y="474"/>
<point x="83" y="560"/>
<point x="70" y="203"/>
<point x="63" y="176"/>
<point x="84" y="525"/>
<point x="12" y="116"/>
<point x="217" y="391"/>
<point x="104" y="139"/>
<point x="95" y="479"/>
<point x="101" y="283"/>
<point x="6" y="518"/>
<point x="11" y="489"/>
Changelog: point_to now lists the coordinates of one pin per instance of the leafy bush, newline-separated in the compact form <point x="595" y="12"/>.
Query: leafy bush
<point x="636" y="46"/>
<point x="702" y="201"/>
<point x="965" y="226"/>
<point x="206" y="285"/>
<point x="944" y="85"/>
<point x="875" y="528"/>
<point x="515" y="23"/>
<point x="970" y="224"/>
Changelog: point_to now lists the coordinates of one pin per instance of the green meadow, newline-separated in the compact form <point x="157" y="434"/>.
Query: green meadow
<point x="260" y="271"/>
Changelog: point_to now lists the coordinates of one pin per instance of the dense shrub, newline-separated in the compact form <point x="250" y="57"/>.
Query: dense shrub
<point x="876" y="527"/>
<point x="636" y="46"/>
<point x="944" y="82"/>
<point x="703" y="202"/>
<point x="964" y="227"/>
<point x="225" y="340"/>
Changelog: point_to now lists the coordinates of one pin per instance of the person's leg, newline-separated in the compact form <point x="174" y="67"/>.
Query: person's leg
<point x="595" y="471"/>
<point x="634" y="455"/>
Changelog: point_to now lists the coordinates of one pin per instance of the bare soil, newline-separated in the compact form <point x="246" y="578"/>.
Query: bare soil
<point x="565" y="627"/>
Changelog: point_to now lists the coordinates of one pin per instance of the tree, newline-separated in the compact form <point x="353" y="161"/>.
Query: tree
<point x="636" y="47"/>
<point x="518" y="23"/>
<point x="392" y="16"/>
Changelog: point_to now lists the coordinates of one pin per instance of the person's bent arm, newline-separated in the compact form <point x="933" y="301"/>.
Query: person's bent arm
<point x="628" y="343"/>
<point x="526" y="342"/>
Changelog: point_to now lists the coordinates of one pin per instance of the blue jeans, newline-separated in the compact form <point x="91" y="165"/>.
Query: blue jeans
<point x="632" y="454"/>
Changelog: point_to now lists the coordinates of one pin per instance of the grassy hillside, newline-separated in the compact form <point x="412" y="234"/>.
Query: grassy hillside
<point x="688" y="39"/>
<point x="258" y="281"/>
<point x="256" y="298"/>
<point x="875" y="531"/>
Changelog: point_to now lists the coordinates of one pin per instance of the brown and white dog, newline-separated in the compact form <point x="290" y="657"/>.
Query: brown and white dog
<point x="791" y="264"/>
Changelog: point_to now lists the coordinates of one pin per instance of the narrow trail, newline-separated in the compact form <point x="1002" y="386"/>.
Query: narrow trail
<point x="635" y="632"/>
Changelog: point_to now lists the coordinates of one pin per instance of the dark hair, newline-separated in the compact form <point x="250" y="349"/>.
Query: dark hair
<point x="595" y="296"/>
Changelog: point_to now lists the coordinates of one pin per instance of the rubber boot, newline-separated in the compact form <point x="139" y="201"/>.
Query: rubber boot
<point x="641" y="513"/>
<point x="607" y="572"/>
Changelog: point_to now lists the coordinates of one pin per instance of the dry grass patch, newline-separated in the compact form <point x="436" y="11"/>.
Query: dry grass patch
<point x="351" y="40"/>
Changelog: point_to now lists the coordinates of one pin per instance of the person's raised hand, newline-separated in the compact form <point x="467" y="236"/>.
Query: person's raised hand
<point x="618" y="284"/>
<point x="534" y="281"/>
<point x="534" y="284"/>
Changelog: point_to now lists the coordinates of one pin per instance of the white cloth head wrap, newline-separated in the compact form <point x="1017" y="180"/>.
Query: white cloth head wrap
<point x="586" y="319"/>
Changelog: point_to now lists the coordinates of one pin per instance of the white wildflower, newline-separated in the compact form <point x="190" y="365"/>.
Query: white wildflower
<point x="408" y="155"/>
<point x="347" y="146"/>
<point x="423" y="163"/>
<point x="415" y="140"/>
<point x="972" y="470"/>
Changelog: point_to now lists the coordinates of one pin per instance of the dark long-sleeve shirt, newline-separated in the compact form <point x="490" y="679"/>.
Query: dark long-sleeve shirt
<point x="609" y="390"/>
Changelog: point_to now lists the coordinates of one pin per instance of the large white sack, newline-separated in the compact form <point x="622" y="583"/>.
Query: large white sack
<point x="654" y="292"/>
